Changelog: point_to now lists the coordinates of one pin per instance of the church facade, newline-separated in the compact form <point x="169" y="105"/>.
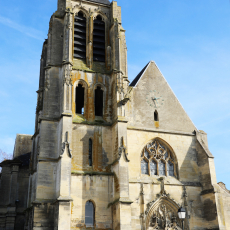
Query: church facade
<point x="107" y="154"/>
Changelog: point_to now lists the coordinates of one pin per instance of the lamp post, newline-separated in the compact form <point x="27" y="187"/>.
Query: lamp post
<point x="182" y="214"/>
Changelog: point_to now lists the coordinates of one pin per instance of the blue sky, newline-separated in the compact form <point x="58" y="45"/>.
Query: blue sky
<point x="189" y="41"/>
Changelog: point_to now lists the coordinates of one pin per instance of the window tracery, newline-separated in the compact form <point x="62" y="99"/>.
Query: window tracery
<point x="157" y="159"/>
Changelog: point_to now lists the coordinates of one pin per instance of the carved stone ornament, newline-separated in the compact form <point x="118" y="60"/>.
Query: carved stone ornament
<point x="162" y="215"/>
<point x="162" y="212"/>
<point x="78" y="8"/>
<point x="68" y="81"/>
<point x="67" y="76"/>
<point x="123" y="151"/>
<point x="103" y="16"/>
<point x="68" y="22"/>
<point x="127" y="96"/>
<point x="66" y="145"/>
<point x="119" y="85"/>
<point x="123" y="102"/>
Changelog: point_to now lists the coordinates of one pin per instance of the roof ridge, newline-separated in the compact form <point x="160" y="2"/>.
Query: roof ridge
<point x="106" y="2"/>
<point x="137" y="78"/>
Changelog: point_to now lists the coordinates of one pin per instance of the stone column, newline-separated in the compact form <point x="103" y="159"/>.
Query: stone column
<point x="14" y="181"/>
<point x="67" y="89"/>
<point x="90" y="43"/>
<point x="63" y="184"/>
<point x="5" y="194"/>
<point x="68" y="40"/>
<point x="63" y="206"/>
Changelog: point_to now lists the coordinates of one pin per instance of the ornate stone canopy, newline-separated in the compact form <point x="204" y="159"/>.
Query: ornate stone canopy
<point x="162" y="214"/>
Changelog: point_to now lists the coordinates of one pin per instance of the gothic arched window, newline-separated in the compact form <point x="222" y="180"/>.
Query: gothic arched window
<point x="98" y="102"/>
<point x="157" y="159"/>
<point x="89" y="214"/>
<point x="80" y="92"/>
<point x="98" y="39"/>
<point x="90" y="152"/>
<point x="79" y="36"/>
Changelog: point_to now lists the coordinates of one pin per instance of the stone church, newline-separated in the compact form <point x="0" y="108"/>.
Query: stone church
<point x="107" y="154"/>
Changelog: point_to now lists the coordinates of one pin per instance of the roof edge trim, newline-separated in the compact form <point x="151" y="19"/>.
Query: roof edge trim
<point x="139" y="77"/>
<point x="104" y="2"/>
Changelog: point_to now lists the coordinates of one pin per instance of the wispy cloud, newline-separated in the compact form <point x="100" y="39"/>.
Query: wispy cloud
<point x="31" y="32"/>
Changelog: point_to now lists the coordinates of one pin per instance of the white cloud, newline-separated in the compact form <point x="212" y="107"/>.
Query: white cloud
<point x="31" y="32"/>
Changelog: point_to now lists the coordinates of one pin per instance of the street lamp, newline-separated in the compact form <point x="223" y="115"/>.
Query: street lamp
<point x="182" y="214"/>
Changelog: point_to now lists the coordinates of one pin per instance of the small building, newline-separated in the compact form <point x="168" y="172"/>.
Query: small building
<point x="107" y="154"/>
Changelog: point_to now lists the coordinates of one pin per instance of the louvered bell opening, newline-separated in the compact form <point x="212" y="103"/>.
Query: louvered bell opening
<point x="80" y="36"/>
<point x="98" y="40"/>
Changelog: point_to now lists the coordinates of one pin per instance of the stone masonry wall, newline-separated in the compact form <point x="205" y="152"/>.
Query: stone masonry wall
<point x="185" y="149"/>
<point x="99" y="190"/>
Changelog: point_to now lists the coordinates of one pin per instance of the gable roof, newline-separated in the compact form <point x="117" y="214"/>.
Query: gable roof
<point x="149" y="83"/>
<point x="138" y="77"/>
<point x="106" y="2"/>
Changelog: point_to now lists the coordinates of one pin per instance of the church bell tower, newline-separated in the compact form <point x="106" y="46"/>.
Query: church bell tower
<point x="79" y="169"/>
<point x="106" y="154"/>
